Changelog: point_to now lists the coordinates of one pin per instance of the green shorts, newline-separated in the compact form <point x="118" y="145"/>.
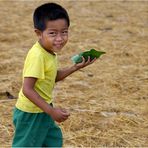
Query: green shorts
<point x="35" y="130"/>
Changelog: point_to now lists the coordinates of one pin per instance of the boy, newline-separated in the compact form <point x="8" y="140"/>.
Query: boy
<point x="34" y="115"/>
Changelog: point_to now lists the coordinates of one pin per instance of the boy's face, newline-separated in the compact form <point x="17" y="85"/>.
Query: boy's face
<point x="55" y="36"/>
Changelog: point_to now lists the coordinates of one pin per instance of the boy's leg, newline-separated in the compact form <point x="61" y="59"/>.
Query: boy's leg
<point x="54" y="136"/>
<point x="30" y="129"/>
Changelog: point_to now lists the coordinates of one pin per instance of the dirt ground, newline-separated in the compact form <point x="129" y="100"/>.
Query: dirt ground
<point x="108" y="100"/>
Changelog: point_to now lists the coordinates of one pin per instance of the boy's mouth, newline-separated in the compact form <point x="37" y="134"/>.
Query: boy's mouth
<point x="58" y="45"/>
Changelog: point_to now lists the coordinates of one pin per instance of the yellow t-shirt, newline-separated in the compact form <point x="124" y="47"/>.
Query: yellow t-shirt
<point x="41" y="65"/>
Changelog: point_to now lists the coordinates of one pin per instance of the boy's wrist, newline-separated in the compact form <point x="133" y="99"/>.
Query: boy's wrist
<point x="50" y="110"/>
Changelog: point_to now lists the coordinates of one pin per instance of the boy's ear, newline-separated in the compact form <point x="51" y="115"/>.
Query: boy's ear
<point x="38" y="32"/>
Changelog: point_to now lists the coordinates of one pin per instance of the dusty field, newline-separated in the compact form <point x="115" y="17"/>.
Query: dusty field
<point x="108" y="100"/>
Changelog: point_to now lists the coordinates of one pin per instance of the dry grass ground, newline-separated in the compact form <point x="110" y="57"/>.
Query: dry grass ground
<point x="108" y="100"/>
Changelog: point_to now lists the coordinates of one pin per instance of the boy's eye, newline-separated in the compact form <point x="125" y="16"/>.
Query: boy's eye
<point x="65" y="32"/>
<point x="52" y="33"/>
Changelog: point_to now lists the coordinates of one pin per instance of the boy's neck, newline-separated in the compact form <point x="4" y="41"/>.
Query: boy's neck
<point x="49" y="51"/>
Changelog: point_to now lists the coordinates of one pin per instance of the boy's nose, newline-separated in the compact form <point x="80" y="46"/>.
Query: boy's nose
<point x="59" y="37"/>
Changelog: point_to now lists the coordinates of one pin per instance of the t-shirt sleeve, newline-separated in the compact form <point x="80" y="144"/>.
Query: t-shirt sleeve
<point x="34" y="67"/>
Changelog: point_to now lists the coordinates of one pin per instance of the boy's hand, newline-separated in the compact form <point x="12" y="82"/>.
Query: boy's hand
<point x="59" y="115"/>
<point x="84" y="63"/>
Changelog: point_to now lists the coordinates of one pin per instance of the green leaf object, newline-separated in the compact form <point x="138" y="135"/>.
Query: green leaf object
<point x="92" y="53"/>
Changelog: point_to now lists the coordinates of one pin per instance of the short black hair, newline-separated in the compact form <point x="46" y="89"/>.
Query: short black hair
<point x="47" y="12"/>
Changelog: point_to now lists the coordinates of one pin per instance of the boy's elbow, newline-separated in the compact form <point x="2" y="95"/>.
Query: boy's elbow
<point x="26" y="91"/>
<point x="59" y="79"/>
<point x="28" y="86"/>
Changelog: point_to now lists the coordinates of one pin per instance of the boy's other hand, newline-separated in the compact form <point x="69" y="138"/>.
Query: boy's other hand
<point x="84" y="63"/>
<point x="59" y="115"/>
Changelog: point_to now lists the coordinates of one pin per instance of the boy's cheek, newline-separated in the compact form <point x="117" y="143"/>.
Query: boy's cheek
<point x="66" y="39"/>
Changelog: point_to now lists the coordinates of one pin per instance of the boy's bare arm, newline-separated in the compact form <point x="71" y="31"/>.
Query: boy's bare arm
<point x="61" y="74"/>
<point x="28" y="90"/>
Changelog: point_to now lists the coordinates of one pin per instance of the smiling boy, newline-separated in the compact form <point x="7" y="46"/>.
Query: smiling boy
<point x="34" y="115"/>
